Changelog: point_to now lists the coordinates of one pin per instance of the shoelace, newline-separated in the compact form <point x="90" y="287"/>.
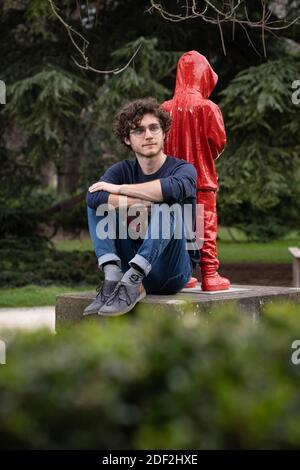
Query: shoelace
<point x="121" y="288"/>
<point x="100" y="290"/>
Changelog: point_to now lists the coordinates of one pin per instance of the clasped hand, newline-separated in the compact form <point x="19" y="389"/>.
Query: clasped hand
<point x="103" y="186"/>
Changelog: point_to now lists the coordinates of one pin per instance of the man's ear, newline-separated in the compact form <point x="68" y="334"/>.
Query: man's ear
<point x="127" y="141"/>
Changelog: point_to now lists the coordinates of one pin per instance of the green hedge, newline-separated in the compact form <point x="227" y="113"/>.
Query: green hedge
<point x="34" y="261"/>
<point x="155" y="381"/>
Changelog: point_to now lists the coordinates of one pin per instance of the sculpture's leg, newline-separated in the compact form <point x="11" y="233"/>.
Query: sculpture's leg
<point x="209" y="263"/>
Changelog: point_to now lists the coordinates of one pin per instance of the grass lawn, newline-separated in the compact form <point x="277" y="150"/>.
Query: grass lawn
<point x="272" y="252"/>
<point x="82" y="244"/>
<point x="238" y="251"/>
<point x="35" y="296"/>
<point x="228" y="250"/>
<point x="241" y="251"/>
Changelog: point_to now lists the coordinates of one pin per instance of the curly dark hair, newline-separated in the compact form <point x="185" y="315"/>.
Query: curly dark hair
<point x="131" y="114"/>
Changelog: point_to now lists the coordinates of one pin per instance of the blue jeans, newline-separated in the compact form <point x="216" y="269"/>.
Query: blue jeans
<point x="165" y="261"/>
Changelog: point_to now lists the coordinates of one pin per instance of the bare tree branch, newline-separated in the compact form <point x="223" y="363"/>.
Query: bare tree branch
<point x="233" y="11"/>
<point x="222" y="37"/>
<point x="75" y="37"/>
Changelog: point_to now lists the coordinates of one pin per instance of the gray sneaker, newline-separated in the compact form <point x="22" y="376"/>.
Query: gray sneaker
<point x="123" y="299"/>
<point x="104" y="292"/>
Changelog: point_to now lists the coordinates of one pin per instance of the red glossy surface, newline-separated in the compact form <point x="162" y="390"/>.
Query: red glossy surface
<point x="192" y="282"/>
<point x="209" y="262"/>
<point x="215" y="282"/>
<point x="197" y="133"/>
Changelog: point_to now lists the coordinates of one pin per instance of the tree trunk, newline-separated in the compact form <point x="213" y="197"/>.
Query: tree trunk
<point x="68" y="174"/>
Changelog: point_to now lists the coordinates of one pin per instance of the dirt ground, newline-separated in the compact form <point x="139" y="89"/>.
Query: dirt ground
<point x="260" y="274"/>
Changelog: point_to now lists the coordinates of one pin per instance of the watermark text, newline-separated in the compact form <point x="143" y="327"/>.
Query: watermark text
<point x="159" y="221"/>
<point x="295" y="358"/>
<point x="296" y="94"/>
<point x="2" y="352"/>
<point x="2" y="92"/>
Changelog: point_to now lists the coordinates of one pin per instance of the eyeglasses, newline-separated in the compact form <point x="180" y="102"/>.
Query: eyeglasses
<point x="141" y="131"/>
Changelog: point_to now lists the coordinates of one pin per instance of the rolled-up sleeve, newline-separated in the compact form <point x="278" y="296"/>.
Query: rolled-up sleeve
<point x="181" y="185"/>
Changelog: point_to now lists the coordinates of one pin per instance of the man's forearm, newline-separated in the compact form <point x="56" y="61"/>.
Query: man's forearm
<point x="125" y="201"/>
<point x="150" y="191"/>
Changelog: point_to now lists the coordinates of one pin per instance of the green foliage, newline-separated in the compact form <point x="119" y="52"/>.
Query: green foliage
<point x="72" y="221"/>
<point x="57" y="111"/>
<point x="32" y="260"/>
<point x="143" y="77"/>
<point x="27" y="212"/>
<point x="16" y="173"/>
<point x="38" y="14"/>
<point x="21" y="216"/>
<point x="263" y="151"/>
<point x="47" y="106"/>
<point x="152" y="381"/>
<point x="273" y="252"/>
<point x="33" y="295"/>
<point x="53" y="108"/>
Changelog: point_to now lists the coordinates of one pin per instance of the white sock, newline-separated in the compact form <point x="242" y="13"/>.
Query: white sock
<point x="133" y="277"/>
<point x="112" y="272"/>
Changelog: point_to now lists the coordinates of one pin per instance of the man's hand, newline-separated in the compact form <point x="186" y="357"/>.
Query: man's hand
<point x="103" y="186"/>
<point x="150" y="191"/>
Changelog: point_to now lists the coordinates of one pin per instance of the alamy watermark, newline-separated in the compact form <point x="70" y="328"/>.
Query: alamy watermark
<point x="159" y="221"/>
<point x="295" y="358"/>
<point x="2" y="352"/>
<point x="2" y="92"/>
<point x="296" y="94"/>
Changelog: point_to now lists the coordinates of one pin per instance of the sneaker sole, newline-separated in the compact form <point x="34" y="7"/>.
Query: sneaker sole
<point x="91" y="312"/>
<point x="122" y="312"/>
<point x="96" y="309"/>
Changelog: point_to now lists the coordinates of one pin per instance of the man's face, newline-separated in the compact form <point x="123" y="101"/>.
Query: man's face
<point x="147" y="139"/>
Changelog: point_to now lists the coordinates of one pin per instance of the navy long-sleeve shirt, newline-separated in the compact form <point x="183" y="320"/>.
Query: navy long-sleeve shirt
<point x="177" y="178"/>
<point x="178" y="183"/>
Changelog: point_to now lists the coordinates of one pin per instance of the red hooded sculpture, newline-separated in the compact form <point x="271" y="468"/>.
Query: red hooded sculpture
<point x="198" y="135"/>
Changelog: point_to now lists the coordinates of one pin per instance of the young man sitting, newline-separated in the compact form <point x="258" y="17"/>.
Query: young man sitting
<point x="149" y="260"/>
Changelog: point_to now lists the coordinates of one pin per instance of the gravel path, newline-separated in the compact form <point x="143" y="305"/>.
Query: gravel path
<point x="28" y="318"/>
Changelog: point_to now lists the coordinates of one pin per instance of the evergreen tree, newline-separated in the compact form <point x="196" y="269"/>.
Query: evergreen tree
<point x="57" y="111"/>
<point x="259" y="170"/>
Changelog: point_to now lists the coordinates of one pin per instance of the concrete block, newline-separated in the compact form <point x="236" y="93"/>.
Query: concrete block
<point x="250" y="300"/>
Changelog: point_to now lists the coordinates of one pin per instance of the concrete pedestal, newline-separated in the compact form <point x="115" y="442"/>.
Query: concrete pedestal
<point x="249" y="299"/>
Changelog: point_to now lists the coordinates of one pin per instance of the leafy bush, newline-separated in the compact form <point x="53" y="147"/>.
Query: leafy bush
<point x="33" y="261"/>
<point x="21" y="216"/>
<point x="153" y="381"/>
